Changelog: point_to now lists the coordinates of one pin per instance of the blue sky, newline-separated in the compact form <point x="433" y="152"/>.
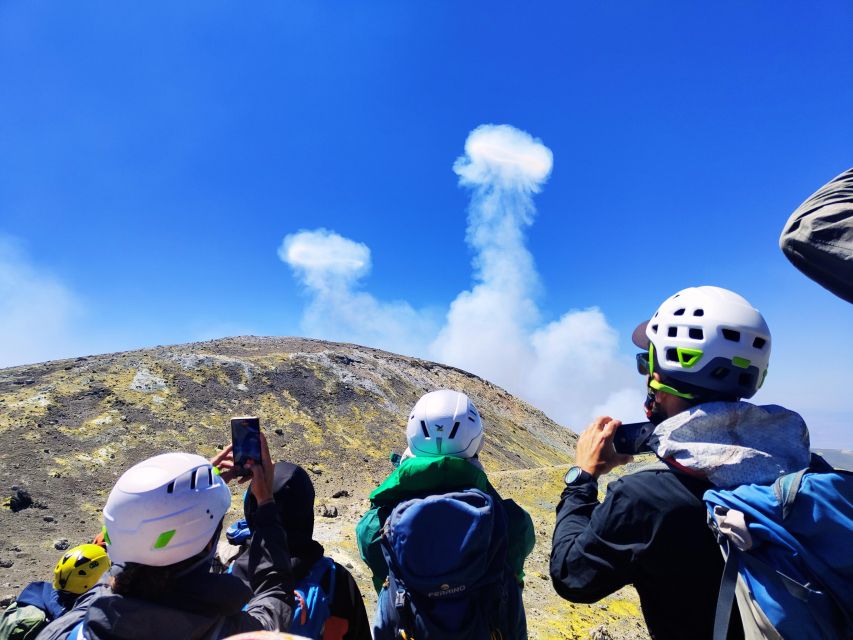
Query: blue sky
<point x="153" y="158"/>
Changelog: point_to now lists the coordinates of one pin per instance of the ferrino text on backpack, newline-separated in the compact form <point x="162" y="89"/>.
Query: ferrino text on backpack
<point x="788" y="557"/>
<point x="448" y="573"/>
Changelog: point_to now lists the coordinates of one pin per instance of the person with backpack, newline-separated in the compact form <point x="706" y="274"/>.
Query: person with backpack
<point x="786" y="543"/>
<point x="705" y="350"/>
<point x="77" y="571"/>
<point x="446" y="551"/>
<point x="161" y="523"/>
<point x="328" y="603"/>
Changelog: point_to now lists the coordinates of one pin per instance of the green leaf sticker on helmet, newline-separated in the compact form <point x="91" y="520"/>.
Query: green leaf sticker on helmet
<point x="163" y="539"/>
<point x="106" y="534"/>
<point x="743" y="363"/>
<point x="688" y="357"/>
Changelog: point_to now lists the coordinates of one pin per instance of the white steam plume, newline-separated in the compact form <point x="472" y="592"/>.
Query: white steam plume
<point x="330" y="266"/>
<point x="570" y="368"/>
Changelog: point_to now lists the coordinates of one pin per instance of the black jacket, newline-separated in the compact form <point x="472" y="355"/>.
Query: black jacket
<point x="197" y="605"/>
<point x="651" y="532"/>
<point x="294" y="499"/>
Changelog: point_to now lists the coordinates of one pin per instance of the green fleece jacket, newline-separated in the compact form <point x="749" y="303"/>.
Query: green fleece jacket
<point x="416" y="477"/>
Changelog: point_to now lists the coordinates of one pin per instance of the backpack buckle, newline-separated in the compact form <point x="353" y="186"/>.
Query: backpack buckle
<point x="715" y="528"/>
<point x="400" y="599"/>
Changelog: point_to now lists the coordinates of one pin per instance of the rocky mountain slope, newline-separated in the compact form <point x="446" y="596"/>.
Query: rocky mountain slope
<point x="69" y="428"/>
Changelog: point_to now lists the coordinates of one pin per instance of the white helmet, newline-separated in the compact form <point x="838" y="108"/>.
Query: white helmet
<point x="445" y="423"/>
<point x="164" y="510"/>
<point x="710" y="339"/>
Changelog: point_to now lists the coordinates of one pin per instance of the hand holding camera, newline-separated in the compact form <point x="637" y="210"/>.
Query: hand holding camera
<point x="594" y="452"/>
<point x="247" y="458"/>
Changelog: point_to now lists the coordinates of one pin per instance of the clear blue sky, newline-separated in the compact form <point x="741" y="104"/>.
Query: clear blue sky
<point x="154" y="155"/>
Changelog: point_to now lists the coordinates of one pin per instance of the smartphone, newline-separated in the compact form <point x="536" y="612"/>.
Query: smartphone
<point x="246" y="438"/>
<point x="631" y="438"/>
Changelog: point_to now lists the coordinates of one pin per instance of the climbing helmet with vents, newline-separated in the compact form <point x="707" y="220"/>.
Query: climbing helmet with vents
<point x="445" y="423"/>
<point x="164" y="510"/>
<point x="707" y="339"/>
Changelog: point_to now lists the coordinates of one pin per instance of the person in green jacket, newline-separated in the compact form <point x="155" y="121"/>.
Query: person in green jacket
<point x="445" y="436"/>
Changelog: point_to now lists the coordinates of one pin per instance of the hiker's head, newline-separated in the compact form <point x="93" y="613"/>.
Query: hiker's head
<point x="445" y="423"/>
<point x="294" y="497"/>
<point x="80" y="568"/>
<point x="703" y="344"/>
<point x="165" y="510"/>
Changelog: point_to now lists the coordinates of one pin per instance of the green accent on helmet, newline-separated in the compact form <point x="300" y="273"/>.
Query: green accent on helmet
<point x="743" y="363"/>
<point x="216" y="471"/>
<point x="106" y="534"/>
<point x="688" y="357"/>
<point x="651" y="358"/>
<point x="163" y="539"/>
<point x="660" y="386"/>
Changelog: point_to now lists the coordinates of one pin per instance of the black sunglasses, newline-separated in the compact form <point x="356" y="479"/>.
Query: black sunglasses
<point x="643" y="363"/>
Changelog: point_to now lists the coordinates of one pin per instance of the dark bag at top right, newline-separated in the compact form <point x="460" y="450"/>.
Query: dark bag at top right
<point x="818" y="237"/>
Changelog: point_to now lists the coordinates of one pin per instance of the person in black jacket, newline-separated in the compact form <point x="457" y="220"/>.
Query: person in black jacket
<point x="161" y="523"/>
<point x="294" y="498"/>
<point x="705" y="348"/>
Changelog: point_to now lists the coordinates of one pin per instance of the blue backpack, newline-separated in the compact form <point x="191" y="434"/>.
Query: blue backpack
<point x="313" y="602"/>
<point x="448" y="573"/>
<point x="788" y="554"/>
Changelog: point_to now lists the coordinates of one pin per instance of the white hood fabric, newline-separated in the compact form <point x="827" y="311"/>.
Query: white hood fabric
<point x="734" y="443"/>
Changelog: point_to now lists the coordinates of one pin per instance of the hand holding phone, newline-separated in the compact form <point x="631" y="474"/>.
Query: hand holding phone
<point x="631" y="438"/>
<point x="246" y="442"/>
<point x="594" y="451"/>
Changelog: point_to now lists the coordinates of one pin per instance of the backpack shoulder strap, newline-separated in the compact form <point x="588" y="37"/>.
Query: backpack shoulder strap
<point x="786" y="489"/>
<point x="319" y="570"/>
<point x="726" y="597"/>
<point x="788" y="486"/>
<point x="322" y="573"/>
<point x="330" y="592"/>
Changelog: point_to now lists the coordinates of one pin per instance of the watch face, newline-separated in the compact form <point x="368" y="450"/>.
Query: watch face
<point x="572" y="475"/>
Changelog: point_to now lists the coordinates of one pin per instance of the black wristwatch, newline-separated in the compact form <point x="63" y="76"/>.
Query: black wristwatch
<point x="576" y="476"/>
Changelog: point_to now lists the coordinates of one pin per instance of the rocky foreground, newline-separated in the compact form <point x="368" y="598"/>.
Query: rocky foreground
<point x="68" y="429"/>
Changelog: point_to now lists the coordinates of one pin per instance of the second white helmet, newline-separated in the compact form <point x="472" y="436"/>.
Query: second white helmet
<point x="709" y="338"/>
<point x="164" y="510"/>
<point x="445" y="423"/>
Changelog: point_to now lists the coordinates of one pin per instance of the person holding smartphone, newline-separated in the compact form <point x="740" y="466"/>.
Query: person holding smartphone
<point x="704" y="350"/>
<point x="161" y="524"/>
<point x="293" y="492"/>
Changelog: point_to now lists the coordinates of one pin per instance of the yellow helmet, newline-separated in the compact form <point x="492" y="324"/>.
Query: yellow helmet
<point x="80" y="568"/>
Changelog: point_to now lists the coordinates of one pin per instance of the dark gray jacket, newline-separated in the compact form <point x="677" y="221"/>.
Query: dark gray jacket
<point x="198" y="605"/>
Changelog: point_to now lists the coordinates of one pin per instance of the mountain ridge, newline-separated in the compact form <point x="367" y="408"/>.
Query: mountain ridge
<point x="69" y="427"/>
